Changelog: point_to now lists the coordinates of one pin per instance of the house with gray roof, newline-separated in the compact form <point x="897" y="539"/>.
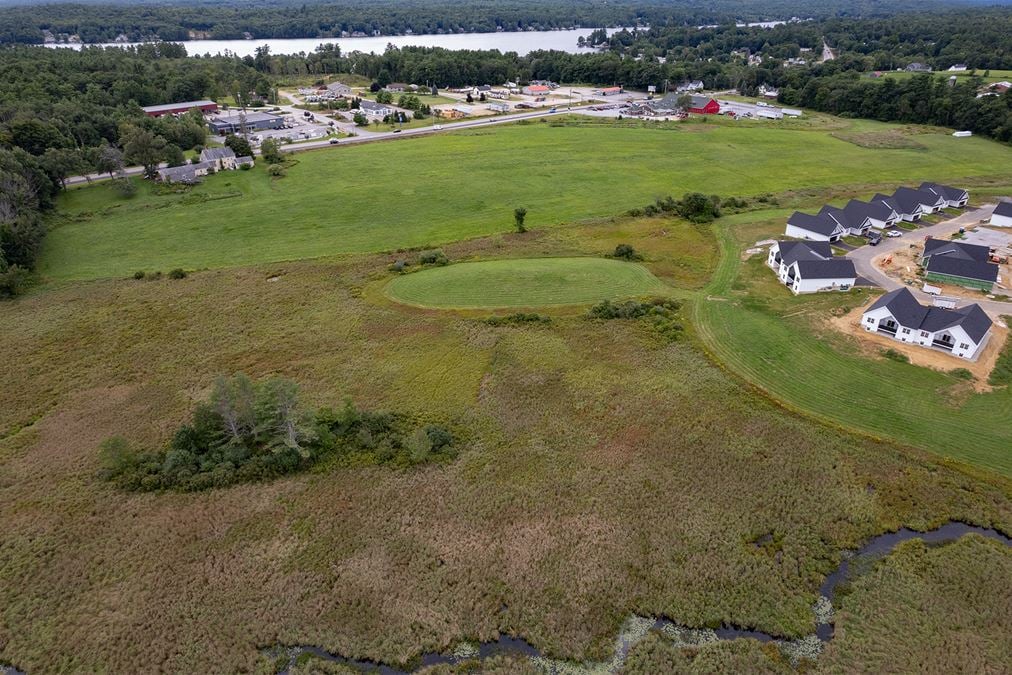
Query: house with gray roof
<point x="907" y="210"/>
<point x="961" y="332"/>
<point x="819" y="227"/>
<point x="854" y="222"/>
<point x="222" y="158"/>
<point x="959" y="263"/>
<point x="810" y="267"/>
<point x="1002" y="215"/>
<point x="187" y="174"/>
<point x="373" y="109"/>
<point x="929" y="201"/>
<point x="878" y="214"/>
<point x="954" y="197"/>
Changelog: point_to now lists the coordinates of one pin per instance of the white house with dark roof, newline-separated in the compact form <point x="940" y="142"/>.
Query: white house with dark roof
<point x="815" y="228"/>
<point x="810" y="267"/>
<point x="339" y="89"/>
<point x="907" y="210"/>
<point x="853" y="222"/>
<point x="878" y="214"/>
<point x="960" y="332"/>
<point x="1002" y="215"/>
<point x="954" y="197"/>
<point x="930" y="202"/>
<point x="371" y="109"/>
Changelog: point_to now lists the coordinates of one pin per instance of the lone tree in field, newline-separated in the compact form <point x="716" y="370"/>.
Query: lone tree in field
<point x="519" y="216"/>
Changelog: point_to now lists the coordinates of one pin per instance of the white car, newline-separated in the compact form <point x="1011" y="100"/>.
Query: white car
<point x="894" y="233"/>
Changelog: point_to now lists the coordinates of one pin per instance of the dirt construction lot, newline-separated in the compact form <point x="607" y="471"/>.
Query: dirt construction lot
<point x="873" y="343"/>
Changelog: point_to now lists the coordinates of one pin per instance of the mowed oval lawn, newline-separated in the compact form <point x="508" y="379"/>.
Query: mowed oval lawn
<point x="524" y="282"/>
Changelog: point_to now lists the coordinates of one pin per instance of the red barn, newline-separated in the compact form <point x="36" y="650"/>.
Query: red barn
<point x="704" y="105"/>
<point x="179" y="108"/>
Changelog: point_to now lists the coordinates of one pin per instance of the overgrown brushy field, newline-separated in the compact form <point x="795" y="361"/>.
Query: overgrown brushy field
<point x="604" y="471"/>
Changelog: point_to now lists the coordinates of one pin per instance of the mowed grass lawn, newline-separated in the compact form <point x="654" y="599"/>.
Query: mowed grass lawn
<point x="776" y="341"/>
<point x="448" y="187"/>
<point x="525" y="282"/>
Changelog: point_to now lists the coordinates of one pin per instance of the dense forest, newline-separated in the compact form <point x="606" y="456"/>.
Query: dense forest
<point x="95" y="22"/>
<point x="64" y="113"/>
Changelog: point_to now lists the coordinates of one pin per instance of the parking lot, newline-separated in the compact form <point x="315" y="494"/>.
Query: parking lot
<point x="297" y="128"/>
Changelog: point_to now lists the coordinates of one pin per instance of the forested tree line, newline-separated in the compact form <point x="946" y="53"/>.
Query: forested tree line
<point x="66" y="113"/>
<point x="105" y="21"/>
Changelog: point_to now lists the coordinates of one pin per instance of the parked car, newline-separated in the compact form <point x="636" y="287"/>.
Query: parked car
<point x="333" y="141"/>
<point x="397" y="131"/>
<point x="874" y="241"/>
<point x="894" y="233"/>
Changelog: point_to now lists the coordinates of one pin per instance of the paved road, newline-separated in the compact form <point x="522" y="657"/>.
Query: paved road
<point x="364" y="136"/>
<point x="864" y="256"/>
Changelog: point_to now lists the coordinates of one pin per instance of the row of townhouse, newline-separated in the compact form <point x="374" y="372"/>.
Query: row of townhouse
<point x="810" y="267"/>
<point x="858" y="218"/>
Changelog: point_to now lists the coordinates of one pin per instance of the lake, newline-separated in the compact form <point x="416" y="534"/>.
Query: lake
<point x="520" y="42"/>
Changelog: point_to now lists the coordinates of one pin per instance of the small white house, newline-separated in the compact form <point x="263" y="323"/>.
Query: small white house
<point x="378" y="110"/>
<point x="1002" y="216"/>
<point x="910" y="212"/>
<point x="960" y="332"/>
<point x="852" y="221"/>
<point x="809" y="267"/>
<point x="930" y="202"/>
<point x="878" y="214"/>
<point x="954" y="197"/>
<point x="815" y="228"/>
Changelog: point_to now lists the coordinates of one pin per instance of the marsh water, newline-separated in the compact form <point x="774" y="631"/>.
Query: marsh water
<point x="875" y="548"/>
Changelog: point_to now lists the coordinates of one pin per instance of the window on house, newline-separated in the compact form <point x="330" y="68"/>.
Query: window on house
<point x="870" y="320"/>
<point x="906" y="331"/>
<point x="963" y="345"/>
<point x="924" y="333"/>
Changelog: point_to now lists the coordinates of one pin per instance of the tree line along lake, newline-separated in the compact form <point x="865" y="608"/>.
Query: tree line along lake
<point x="522" y="43"/>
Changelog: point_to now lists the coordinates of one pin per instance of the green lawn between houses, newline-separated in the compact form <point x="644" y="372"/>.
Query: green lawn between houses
<point x="524" y="282"/>
<point x="771" y="339"/>
<point x="448" y="187"/>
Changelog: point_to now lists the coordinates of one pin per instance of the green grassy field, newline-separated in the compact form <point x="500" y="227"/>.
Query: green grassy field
<point x="774" y="340"/>
<point x="531" y="282"/>
<point x="427" y="191"/>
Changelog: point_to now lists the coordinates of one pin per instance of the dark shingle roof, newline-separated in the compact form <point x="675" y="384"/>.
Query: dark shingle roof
<point x="820" y="224"/>
<point x="836" y="268"/>
<point x="946" y="191"/>
<point x="792" y="251"/>
<point x="910" y="196"/>
<point x="877" y="210"/>
<point x="1003" y="209"/>
<point x="700" y="101"/>
<point x="971" y="319"/>
<point x="904" y="307"/>
<point x="211" y="154"/>
<point x="959" y="267"/>
<point x="955" y="249"/>
<point x="849" y="220"/>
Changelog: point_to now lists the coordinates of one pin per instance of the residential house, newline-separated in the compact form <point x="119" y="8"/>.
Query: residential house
<point x="223" y="159"/>
<point x="916" y="67"/>
<point x="930" y="202"/>
<point x="955" y="262"/>
<point x="815" y="228"/>
<point x="704" y="105"/>
<point x="536" y="90"/>
<point x="960" y="332"/>
<point x="500" y="94"/>
<point x="375" y="110"/>
<point x="767" y="91"/>
<point x="853" y="221"/>
<point x="1002" y="216"/>
<point x="396" y="87"/>
<point x="954" y="197"/>
<point x="957" y="68"/>
<point x="879" y="214"/>
<point x="187" y="173"/>
<point x="795" y="61"/>
<point x="906" y="209"/>
<point x="339" y="89"/>
<point x="810" y="267"/>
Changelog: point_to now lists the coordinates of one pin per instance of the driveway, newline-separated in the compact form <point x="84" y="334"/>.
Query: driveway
<point x="863" y="256"/>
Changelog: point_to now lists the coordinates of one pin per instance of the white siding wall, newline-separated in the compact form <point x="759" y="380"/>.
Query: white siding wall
<point x="870" y="321"/>
<point x="1001" y="221"/>
<point x="816" y="285"/>
<point x="798" y="233"/>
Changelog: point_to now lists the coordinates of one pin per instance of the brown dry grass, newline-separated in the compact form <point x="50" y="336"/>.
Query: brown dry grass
<point x="604" y="472"/>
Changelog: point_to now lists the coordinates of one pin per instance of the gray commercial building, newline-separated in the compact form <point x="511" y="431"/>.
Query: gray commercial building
<point x="255" y="121"/>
